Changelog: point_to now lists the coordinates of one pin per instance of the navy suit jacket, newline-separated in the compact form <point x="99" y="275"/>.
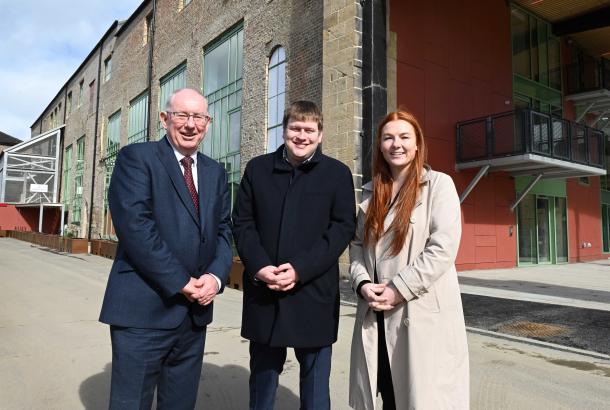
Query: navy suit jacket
<point x="162" y="240"/>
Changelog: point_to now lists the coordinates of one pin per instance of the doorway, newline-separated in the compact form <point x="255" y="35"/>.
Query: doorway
<point x="542" y="230"/>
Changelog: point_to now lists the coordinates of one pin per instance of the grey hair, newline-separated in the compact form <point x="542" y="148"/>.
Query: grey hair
<point x="168" y="103"/>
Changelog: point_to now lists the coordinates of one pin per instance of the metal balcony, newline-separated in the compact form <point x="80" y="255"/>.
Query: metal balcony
<point x="527" y="142"/>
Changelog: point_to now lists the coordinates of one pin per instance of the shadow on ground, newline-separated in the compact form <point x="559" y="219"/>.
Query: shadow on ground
<point x="221" y="388"/>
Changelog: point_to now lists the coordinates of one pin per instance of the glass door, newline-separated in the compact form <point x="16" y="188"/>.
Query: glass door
<point x="543" y="230"/>
<point x="526" y="216"/>
<point x="561" y="230"/>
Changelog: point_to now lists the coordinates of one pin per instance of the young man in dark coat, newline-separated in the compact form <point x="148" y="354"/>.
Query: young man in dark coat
<point x="294" y="216"/>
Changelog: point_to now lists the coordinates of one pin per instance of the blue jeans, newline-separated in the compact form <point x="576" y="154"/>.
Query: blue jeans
<point x="266" y="364"/>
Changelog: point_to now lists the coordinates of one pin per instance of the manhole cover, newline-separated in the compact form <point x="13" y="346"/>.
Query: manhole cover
<point x="530" y="329"/>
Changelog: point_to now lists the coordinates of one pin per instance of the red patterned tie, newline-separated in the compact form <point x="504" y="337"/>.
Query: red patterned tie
<point x="187" y="163"/>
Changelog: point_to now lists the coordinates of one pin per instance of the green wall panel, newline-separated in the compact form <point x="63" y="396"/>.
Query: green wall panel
<point x="550" y="187"/>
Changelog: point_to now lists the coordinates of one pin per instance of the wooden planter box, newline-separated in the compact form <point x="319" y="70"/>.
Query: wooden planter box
<point x="74" y="245"/>
<point x="236" y="277"/>
<point x="104" y="248"/>
<point x="95" y="246"/>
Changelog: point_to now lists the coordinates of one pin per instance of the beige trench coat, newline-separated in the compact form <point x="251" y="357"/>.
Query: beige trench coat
<point x="426" y="335"/>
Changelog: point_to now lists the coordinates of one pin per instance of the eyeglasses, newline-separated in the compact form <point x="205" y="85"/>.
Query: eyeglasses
<point x="199" y="118"/>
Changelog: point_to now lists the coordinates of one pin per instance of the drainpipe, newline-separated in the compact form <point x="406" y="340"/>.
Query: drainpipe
<point x="374" y="77"/>
<point x="97" y="116"/>
<point x="151" y="47"/>
<point x="61" y="149"/>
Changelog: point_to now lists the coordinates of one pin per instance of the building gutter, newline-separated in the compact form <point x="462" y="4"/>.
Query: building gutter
<point x="60" y="164"/>
<point x="374" y="77"/>
<point x="151" y="47"/>
<point x="95" y="128"/>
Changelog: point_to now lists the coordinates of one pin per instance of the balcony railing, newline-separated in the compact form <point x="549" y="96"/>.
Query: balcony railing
<point x="529" y="132"/>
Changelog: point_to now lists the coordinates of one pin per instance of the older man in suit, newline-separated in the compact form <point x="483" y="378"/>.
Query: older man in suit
<point x="170" y="207"/>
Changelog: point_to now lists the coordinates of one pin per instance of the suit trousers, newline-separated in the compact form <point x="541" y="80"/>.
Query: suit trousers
<point x="168" y="359"/>
<point x="267" y="363"/>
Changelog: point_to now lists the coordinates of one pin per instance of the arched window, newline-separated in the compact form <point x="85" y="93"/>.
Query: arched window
<point x="276" y="92"/>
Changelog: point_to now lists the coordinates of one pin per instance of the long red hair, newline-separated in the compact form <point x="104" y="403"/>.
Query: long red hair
<point x="379" y="204"/>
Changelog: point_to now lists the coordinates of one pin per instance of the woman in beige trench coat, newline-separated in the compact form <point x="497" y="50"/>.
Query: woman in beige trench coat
<point x="416" y="289"/>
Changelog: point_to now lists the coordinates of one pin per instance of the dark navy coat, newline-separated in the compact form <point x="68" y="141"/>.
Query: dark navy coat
<point x="162" y="241"/>
<point x="305" y="216"/>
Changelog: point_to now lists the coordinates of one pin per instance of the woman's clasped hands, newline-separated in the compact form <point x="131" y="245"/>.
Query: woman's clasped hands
<point x="381" y="296"/>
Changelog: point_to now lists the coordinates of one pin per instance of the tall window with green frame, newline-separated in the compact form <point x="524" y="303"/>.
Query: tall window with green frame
<point x="536" y="63"/>
<point x="138" y="119"/>
<point x="67" y="177"/>
<point x="78" y="180"/>
<point x="174" y="80"/>
<point x="222" y="86"/>
<point x="113" y="138"/>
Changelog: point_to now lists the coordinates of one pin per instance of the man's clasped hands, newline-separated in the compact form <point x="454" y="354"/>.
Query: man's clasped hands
<point x="280" y="278"/>
<point x="201" y="290"/>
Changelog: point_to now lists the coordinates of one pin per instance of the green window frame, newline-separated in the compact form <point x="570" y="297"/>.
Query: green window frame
<point x="542" y="234"/>
<point x="137" y="123"/>
<point x="536" y="62"/>
<point x="78" y="180"/>
<point x="113" y="134"/>
<point x="174" y="80"/>
<point x="67" y="177"/>
<point x="222" y="86"/>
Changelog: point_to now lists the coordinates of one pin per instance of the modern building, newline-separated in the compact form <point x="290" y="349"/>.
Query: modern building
<point x="29" y="182"/>
<point x="514" y="98"/>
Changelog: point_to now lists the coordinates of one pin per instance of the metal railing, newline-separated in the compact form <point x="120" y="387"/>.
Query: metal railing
<point x="527" y="131"/>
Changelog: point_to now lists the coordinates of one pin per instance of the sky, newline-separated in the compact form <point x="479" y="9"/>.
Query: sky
<point x="43" y="43"/>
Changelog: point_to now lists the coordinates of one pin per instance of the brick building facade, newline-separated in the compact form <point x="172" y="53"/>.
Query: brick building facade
<point x="449" y="63"/>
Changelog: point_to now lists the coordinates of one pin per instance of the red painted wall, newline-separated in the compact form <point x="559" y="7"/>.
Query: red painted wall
<point x="26" y="219"/>
<point x="12" y="220"/>
<point x="584" y="226"/>
<point x="454" y="64"/>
